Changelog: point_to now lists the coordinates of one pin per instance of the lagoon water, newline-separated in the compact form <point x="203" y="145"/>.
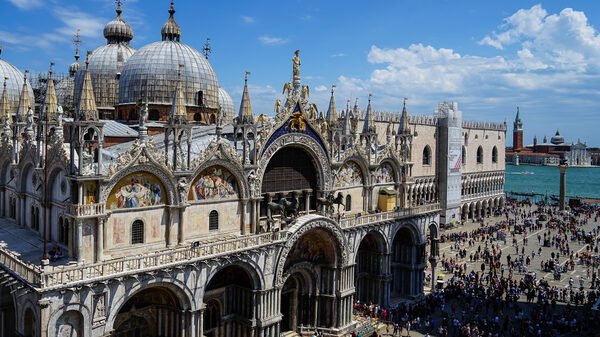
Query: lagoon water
<point x="582" y="182"/>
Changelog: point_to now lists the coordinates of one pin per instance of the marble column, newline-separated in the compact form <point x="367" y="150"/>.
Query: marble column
<point x="80" y="242"/>
<point x="100" y="239"/>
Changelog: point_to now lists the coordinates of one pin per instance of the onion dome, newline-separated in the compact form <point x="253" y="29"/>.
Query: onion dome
<point x="117" y="30"/>
<point x="557" y="138"/>
<point x="14" y="83"/>
<point x="74" y="67"/>
<point x="227" y="107"/>
<point x="170" y="30"/>
<point x="107" y="61"/>
<point x="151" y="73"/>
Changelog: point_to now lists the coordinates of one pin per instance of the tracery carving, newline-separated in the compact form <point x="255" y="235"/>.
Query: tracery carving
<point x="323" y="223"/>
<point x="139" y="153"/>
<point x="308" y="143"/>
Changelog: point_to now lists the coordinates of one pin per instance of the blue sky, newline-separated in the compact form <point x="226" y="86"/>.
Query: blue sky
<point x="489" y="56"/>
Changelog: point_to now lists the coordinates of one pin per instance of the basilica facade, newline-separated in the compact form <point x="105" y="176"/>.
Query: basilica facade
<point x="151" y="208"/>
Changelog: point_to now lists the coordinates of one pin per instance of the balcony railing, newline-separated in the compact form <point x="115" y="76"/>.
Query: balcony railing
<point x="63" y="275"/>
<point x="58" y="276"/>
<point x="13" y="263"/>
<point x="85" y="210"/>
<point x="479" y="195"/>
<point x="378" y="217"/>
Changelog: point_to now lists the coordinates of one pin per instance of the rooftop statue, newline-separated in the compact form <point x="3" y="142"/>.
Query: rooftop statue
<point x="296" y="63"/>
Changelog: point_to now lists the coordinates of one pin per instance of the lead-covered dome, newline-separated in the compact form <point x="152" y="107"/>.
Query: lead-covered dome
<point x="227" y="108"/>
<point x="117" y="30"/>
<point x="151" y="73"/>
<point x="557" y="138"/>
<point x="107" y="61"/>
<point x="14" y="84"/>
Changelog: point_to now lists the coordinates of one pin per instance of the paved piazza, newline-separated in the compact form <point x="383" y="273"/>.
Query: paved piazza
<point x="458" y="313"/>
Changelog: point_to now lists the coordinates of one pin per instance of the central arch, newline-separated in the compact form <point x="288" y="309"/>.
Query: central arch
<point x="308" y="274"/>
<point x="293" y="172"/>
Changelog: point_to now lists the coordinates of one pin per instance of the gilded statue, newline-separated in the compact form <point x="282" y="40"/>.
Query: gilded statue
<point x="297" y="63"/>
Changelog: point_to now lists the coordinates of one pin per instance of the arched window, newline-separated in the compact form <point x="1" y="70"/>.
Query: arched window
<point x="464" y="156"/>
<point x="427" y="155"/>
<point x="348" y="205"/>
<point x="154" y="115"/>
<point x="494" y="155"/>
<point x="466" y="138"/>
<point x="197" y="117"/>
<point x="213" y="220"/>
<point x="137" y="232"/>
<point x="480" y="155"/>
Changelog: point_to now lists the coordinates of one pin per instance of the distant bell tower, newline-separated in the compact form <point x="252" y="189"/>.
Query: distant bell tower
<point x="518" y="132"/>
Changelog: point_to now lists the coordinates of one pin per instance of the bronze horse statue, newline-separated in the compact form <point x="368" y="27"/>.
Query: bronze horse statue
<point x="329" y="200"/>
<point x="288" y="210"/>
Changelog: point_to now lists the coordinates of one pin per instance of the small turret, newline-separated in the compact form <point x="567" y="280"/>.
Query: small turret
<point x="50" y="101"/>
<point x="369" y="124"/>
<point x="5" y="105"/>
<point x="332" y="116"/>
<point x="24" y="104"/>
<point x="404" y="127"/>
<point x="178" y="110"/>
<point x="245" y="115"/>
<point x="86" y="109"/>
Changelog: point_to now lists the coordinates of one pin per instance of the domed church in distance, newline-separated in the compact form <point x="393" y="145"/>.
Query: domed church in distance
<point x="153" y="208"/>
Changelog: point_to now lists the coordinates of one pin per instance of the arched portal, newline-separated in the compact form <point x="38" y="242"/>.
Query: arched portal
<point x="7" y="313"/>
<point x="310" y="280"/>
<point x="292" y="174"/>
<point x="155" y="311"/>
<point x="70" y="324"/>
<point x="230" y="301"/>
<point x="408" y="258"/>
<point x="371" y="269"/>
<point x="29" y="325"/>
<point x="296" y="300"/>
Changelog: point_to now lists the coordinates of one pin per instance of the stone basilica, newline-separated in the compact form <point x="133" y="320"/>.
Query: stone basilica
<point x="135" y="202"/>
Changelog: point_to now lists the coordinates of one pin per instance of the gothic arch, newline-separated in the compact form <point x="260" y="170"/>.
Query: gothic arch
<point x="304" y="142"/>
<point x="183" y="294"/>
<point x="395" y="165"/>
<point x="82" y="309"/>
<point x="412" y="228"/>
<point x="301" y="228"/>
<point x="382" y="242"/>
<point x="235" y="170"/>
<point x="28" y="305"/>
<point x="362" y="165"/>
<point x="248" y="265"/>
<point x="163" y="176"/>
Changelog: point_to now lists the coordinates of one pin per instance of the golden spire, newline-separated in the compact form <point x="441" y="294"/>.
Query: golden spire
<point x="4" y="105"/>
<point x="50" y="101"/>
<point x="245" y="115"/>
<point x="86" y="107"/>
<point x="24" y="103"/>
<point x="178" y="110"/>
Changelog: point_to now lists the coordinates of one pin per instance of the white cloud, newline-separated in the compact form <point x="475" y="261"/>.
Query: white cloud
<point x="248" y="19"/>
<point x="524" y="23"/>
<point x="26" y="4"/>
<point x="555" y="56"/>
<point x="272" y="40"/>
<point x="338" y="55"/>
<point x="321" y="88"/>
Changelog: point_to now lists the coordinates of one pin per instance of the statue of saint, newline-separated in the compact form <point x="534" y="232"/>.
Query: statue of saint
<point x="297" y="63"/>
<point x="59" y="116"/>
<point x="29" y="118"/>
<point x="143" y="114"/>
